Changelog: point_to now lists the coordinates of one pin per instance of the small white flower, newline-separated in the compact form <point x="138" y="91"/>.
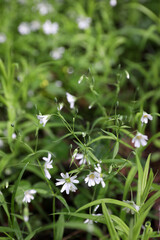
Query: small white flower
<point x="60" y="106"/>
<point x="132" y="203"/>
<point x="127" y="74"/>
<point x="88" y="221"/>
<point x="92" y="179"/>
<point x="35" y="25"/>
<point x="67" y="182"/>
<point x="28" y="195"/>
<point x="26" y="218"/>
<point x="43" y="119"/>
<point x="57" y="53"/>
<point x="44" y="8"/>
<point x="81" y="158"/>
<point x="2" y="38"/>
<point x="71" y="99"/>
<point x="113" y="3"/>
<point x="47" y="165"/>
<point x="50" y="28"/>
<point x="100" y="175"/>
<point x="83" y="22"/>
<point x="24" y="28"/>
<point x="145" y="117"/>
<point x="14" y="136"/>
<point x="139" y="140"/>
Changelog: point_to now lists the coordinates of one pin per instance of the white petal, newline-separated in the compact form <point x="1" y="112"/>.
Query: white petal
<point x="47" y="174"/>
<point x="137" y="143"/>
<point x="61" y="182"/>
<point x="143" y="142"/>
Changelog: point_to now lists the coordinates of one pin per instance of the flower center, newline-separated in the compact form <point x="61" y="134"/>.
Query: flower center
<point x="101" y="175"/>
<point x="91" y="176"/>
<point x="68" y="180"/>
<point x="139" y="137"/>
<point x="145" y="116"/>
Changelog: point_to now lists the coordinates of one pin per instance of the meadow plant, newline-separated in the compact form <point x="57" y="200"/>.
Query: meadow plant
<point x="83" y="168"/>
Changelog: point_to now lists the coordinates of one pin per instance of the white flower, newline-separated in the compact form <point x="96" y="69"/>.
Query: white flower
<point x="24" y="28"/>
<point x="89" y="221"/>
<point x="43" y="119"/>
<point x="57" y="53"/>
<point x="139" y="140"/>
<point x="92" y="179"/>
<point x="71" y="99"/>
<point x="35" y="25"/>
<point x="67" y="182"/>
<point x="81" y="158"/>
<point x="44" y="8"/>
<point x="145" y="117"/>
<point x="28" y="195"/>
<point x="100" y="175"/>
<point x="113" y="3"/>
<point x="26" y="218"/>
<point x="47" y="165"/>
<point x="2" y="38"/>
<point x="60" y="106"/>
<point x="132" y="203"/>
<point x="14" y="136"/>
<point x="83" y="22"/>
<point x="50" y="28"/>
<point x="127" y="74"/>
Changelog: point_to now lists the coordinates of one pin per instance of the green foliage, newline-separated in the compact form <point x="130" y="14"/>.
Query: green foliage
<point x="112" y="68"/>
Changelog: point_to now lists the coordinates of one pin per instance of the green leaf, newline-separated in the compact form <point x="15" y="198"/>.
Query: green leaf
<point x="116" y="149"/>
<point x="60" y="228"/>
<point x="107" y="200"/>
<point x="91" y="228"/>
<point x="109" y="223"/>
<point x="63" y="201"/>
<point x="14" y="193"/>
<point x="140" y="176"/>
<point x="145" y="174"/>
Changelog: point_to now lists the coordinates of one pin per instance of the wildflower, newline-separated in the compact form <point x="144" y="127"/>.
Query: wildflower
<point x="92" y="179"/>
<point x="67" y="182"/>
<point x="100" y="175"/>
<point x="57" y="53"/>
<point x="24" y="28"/>
<point x="89" y="221"/>
<point x="139" y="140"/>
<point x="44" y="8"/>
<point x="50" y="28"/>
<point x="83" y="22"/>
<point x="60" y="106"/>
<point x="113" y="3"/>
<point x="132" y="203"/>
<point x="26" y="214"/>
<point x="35" y="25"/>
<point x="145" y="117"/>
<point x="28" y="195"/>
<point x="43" y="119"/>
<point x="71" y="99"/>
<point x="47" y="165"/>
<point x="14" y="136"/>
<point x="127" y="74"/>
<point x="2" y="38"/>
<point x="81" y="158"/>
